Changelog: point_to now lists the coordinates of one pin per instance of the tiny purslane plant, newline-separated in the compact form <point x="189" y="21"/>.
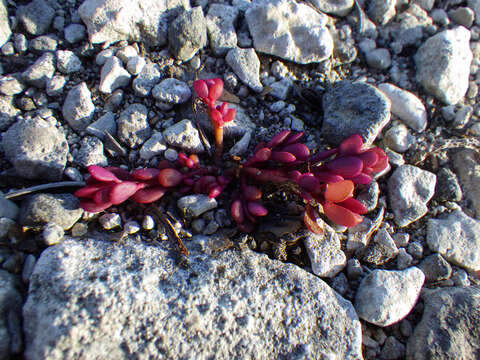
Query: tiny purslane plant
<point x="324" y="181"/>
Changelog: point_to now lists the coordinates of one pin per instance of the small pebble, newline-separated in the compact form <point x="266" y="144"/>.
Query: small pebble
<point x="415" y="249"/>
<point x="131" y="227"/>
<point x="148" y="223"/>
<point x="460" y="278"/>
<point x="28" y="266"/>
<point x="171" y="154"/>
<point x="110" y="221"/>
<point x="52" y="234"/>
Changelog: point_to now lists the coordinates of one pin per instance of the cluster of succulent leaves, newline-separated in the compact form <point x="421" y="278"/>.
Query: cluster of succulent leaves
<point x="324" y="181"/>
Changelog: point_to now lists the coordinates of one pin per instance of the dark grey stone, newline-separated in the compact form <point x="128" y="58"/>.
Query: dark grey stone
<point x="435" y="268"/>
<point x="36" y="17"/>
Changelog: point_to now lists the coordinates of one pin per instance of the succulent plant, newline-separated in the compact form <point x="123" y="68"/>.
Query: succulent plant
<point x="325" y="181"/>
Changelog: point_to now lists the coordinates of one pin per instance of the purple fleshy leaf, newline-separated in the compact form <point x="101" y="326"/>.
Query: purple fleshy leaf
<point x="102" y="196"/>
<point x="351" y="145"/>
<point x="323" y="155"/>
<point x="236" y="210"/>
<point x="349" y="166"/>
<point x="282" y="157"/>
<point x="145" y="174"/>
<point x="92" y="207"/>
<point x="354" y="205"/>
<point x="309" y="182"/>
<point x="361" y="179"/>
<point x="369" y="158"/>
<point x="300" y="151"/>
<point x="256" y="209"/>
<point x="169" y="177"/>
<point x="251" y="192"/>
<point x="121" y="192"/>
<point x="148" y="195"/>
<point x="278" y="139"/>
<point x="293" y="138"/>
<point x="327" y="177"/>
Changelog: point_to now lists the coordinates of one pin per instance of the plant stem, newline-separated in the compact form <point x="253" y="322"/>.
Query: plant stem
<point x="218" y="131"/>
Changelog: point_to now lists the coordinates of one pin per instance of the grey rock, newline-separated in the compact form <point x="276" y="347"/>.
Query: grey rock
<point x="39" y="72"/>
<point x="136" y="64"/>
<point x="114" y="100"/>
<point x="221" y="30"/>
<point x="440" y="17"/>
<point x="334" y="7"/>
<point x="415" y="249"/>
<point x="192" y="206"/>
<point x="292" y="31"/>
<point x="126" y="53"/>
<point x="6" y="225"/>
<point x="146" y="80"/>
<point x="460" y="278"/>
<point x="104" y="55"/>
<point x="369" y="196"/>
<point x="462" y="117"/>
<point x="354" y="108"/>
<point x="401" y="239"/>
<point x="54" y="86"/>
<point x="394" y="158"/>
<point x="188" y="33"/>
<point x="340" y="284"/>
<point x="78" y="107"/>
<point x="381" y="250"/>
<point x="381" y="11"/>
<point x="385" y="297"/>
<point x="218" y="298"/>
<point x="74" y="33"/>
<point x="408" y="107"/>
<point x="5" y="31"/>
<point x="404" y="259"/>
<point x="379" y="59"/>
<point x="435" y="268"/>
<point x="38" y="210"/>
<point x="172" y="91"/>
<point x="354" y="269"/>
<point x="184" y="136"/>
<point x="462" y="16"/>
<point x="466" y="163"/>
<point x="8" y="113"/>
<point x="358" y="236"/>
<point x="325" y="253"/>
<point x="457" y="238"/>
<point x="8" y="209"/>
<point x="28" y="265"/>
<point x="171" y="154"/>
<point x="105" y="123"/>
<point x="134" y="20"/>
<point x="443" y="64"/>
<point x="409" y="190"/>
<point x="20" y="42"/>
<point x="132" y="125"/>
<point x="36" y="148"/>
<point x="281" y="89"/>
<point x="110" y="221"/>
<point x="44" y="43"/>
<point x="7" y="49"/>
<point x="90" y="152"/>
<point x="448" y="188"/>
<point x="410" y="26"/>
<point x="475" y="6"/>
<point x="154" y="146"/>
<point x="398" y="138"/>
<point x="425" y="4"/>
<point x="241" y="146"/>
<point x="246" y="65"/>
<point x="11" y="85"/>
<point x="10" y="316"/>
<point x="52" y="234"/>
<point x="449" y="326"/>
<point x="392" y="349"/>
<point x="113" y="76"/>
<point x="67" y="62"/>
<point x="36" y="17"/>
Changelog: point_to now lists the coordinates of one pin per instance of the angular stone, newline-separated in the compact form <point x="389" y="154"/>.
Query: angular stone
<point x="354" y="108"/>
<point x="90" y="152"/>
<point x="457" y="238"/>
<point x="467" y="167"/>
<point x="113" y="76"/>
<point x="408" y="107"/>
<point x="335" y="7"/>
<point x="10" y="315"/>
<point x="192" y="206"/>
<point x="41" y="71"/>
<point x="237" y="303"/>
<point x="5" y="31"/>
<point x="449" y="326"/>
<point x="78" y="107"/>
<point x="246" y="65"/>
<point x="188" y="33"/>
<point x="105" y="123"/>
<point x="132" y="125"/>
<point x="152" y="147"/>
<point x="381" y="11"/>
<point x="385" y="297"/>
<point x="36" y="148"/>
<point x="134" y="20"/>
<point x="67" y="62"/>
<point x="185" y="136"/>
<point x="435" y="268"/>
<point x="36" y="17"/>
<point x="221" y="29"/>
<point x="292" y="31"/>
<point x="40" y="209"/>
<point x="11" y="85"/>
<point x="8" y="112"/>
<point x="443" y="64"/>
<point x="74" y="33"/>
<point x="172" y="91"/>
<point x="409" y="190"/>
<point x="146" y="80"/>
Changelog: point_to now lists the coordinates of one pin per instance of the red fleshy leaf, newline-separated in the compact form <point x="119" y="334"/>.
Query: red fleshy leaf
<point x="236" y="210"/>
<point x="294" y="175"/>
<point x="256" y="209"/>
<point x="361" y="179"/>
<point x="229" y="116"/>
<point x="188" y="181"/>
<point x="89" y="190"/>
<point x="182" y="159"/>
<point x="102" y="196"/>
<point x="101" y="174"/>
<point x="340" y="215"/>
<point x="215" y="191"/>
<point x="310" y="218"/>
<point x="327" y="178"/>
<point x="216" y="118"/>
<point x="195" y="160"/>
<point x="216" y="90"/>
<point x="309" y="182"/>
<point x="92" y="207"/>
<point x="145" y="174"/>
<point x="148" y="195"/>
<point x="264" y="176"/>
<point x="323" y="155"/>
<point x="300" y="151"/>
<point x="369" y="158"/>
<point x="246" y="226"/>
<point x="119" y="172"/>
<point x="121" y="192"/>
<point x="293" y="138"/>
<point x="251" y="192"/>
<point x="354" y="205"/>
<point x="263" y="154"/>
<point x="351" y="145"/>
<point x="223" y="180"/>
<point x="165" y="164"/>
<point x="282" y="157"/>
<point x="201" y="88"/>
<point x="339" y="191"/>
<point x="348" y="166"/>
<point x="203" y="183"/>
<point x="170" y="177"/>
<point x="278" y="139"/>
<point x="382" y="162"/>
<point x="259" y="146"/>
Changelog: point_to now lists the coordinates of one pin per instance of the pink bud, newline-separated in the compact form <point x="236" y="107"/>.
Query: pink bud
<point x="215" y="191"/>
<point x="216" y="90"/>
<point x="201" y="88"/>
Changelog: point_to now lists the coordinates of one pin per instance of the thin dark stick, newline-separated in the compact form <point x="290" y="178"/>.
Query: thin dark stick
<point x="183" y="249"/>
<point x="32" y="189"/>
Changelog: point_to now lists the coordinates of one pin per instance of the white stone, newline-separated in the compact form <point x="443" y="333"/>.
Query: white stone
<point x="246" y="65"/>
<point x="131" y="227"/>
<point x="148" y="223"/>
<point x="52" y="234"/>
<point x="172" y="91"/>
<point x="193" y="206"/>
<point x="220" y="27"/>
<point x="154" y="146"/>
<point x="110" y="221"/>
<point x="136" y="64"/>
<point x="185" y="136"/>
<point x="67" y="61"/>
<point x="113" y="76"/>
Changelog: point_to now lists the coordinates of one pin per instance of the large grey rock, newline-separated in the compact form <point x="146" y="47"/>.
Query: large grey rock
<point x="246" y="65"/>
<point x="385" y="297"/>
<point x="5" y="31"/>
<point x="475" y="6"/>
<point x="36" y="16"/>
<point x="185" y="136"/>
<point x="36" y="148"/>
<point x="11" y="84"/>
<point x="408" y="107"/>
<point x="325" y="253"/>
<point x="409" y="26"/>
<point x="457" y="238"/>
<point x="231" y="305"/>
<point x="354" y="108"/>
<point x="409" y="190"/>
<point x="135" y="20"/>
<point x="8" y="112"/>
<point x="290" y="30"/>
<point x="40" y="209"/>
<point x="449" y="326"/>
<point x="467" y="166"/>
<point x="443" y="64"/>
<point x="10" y="316"/>
<point x="78" y="107"/>
<point x="40" y="71"/>
<point x="132" y="125"/>
<point x="221" y="29"/>
<point x="152" y="147"/>
<point x="334" y="7"/>
<point x="187" y="34"/>
<point x="105" y="123"/>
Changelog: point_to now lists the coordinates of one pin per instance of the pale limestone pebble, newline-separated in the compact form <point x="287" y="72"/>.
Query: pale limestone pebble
<point x="192" y="206"/>
<point x="73" y="174"/>
<point x="40" y="71"/>
<point x="131" y="227"/>
<point x="408" y="107"/>
<point x="133" y="128"/>
<point x="171" y="154"/>
<point x="220" y="25"/>
<point x="462" y="117"/>
<point x="172" y="91"/>
<point x="36" y="16"/>
<point x="148" y="223"/>
<point x="113" y="76"/>
<point x="246" y="65"/>
<point x="335" y="7"/>
<point x="379" y="58"/>
<point x="67" y="62"/>
<point x="28" y="266"/>
<point x="11" y="85"/>
<point x="145" y="81"/>
<point x="55" y="85"/>
<point x="126" y="54"/>
<point x="184" y="136"/>
<point x="154" y="146"/>
<point x="358" y="235"/>
<point x="52" y="234"/>
<point x="5" y="31"/>
<point x="91" y="152"/>
<point x="104" y="55"/>
<point x="74" y="33"/>
<point x="6" y="224"/>
<point x="78" y="107"/>
<point x="110" y="221"/>
<point x="241" y="146"/>
<point x="106" y="122"/>
<point x="398" y="138"/>
<point x="136" y="64"/>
